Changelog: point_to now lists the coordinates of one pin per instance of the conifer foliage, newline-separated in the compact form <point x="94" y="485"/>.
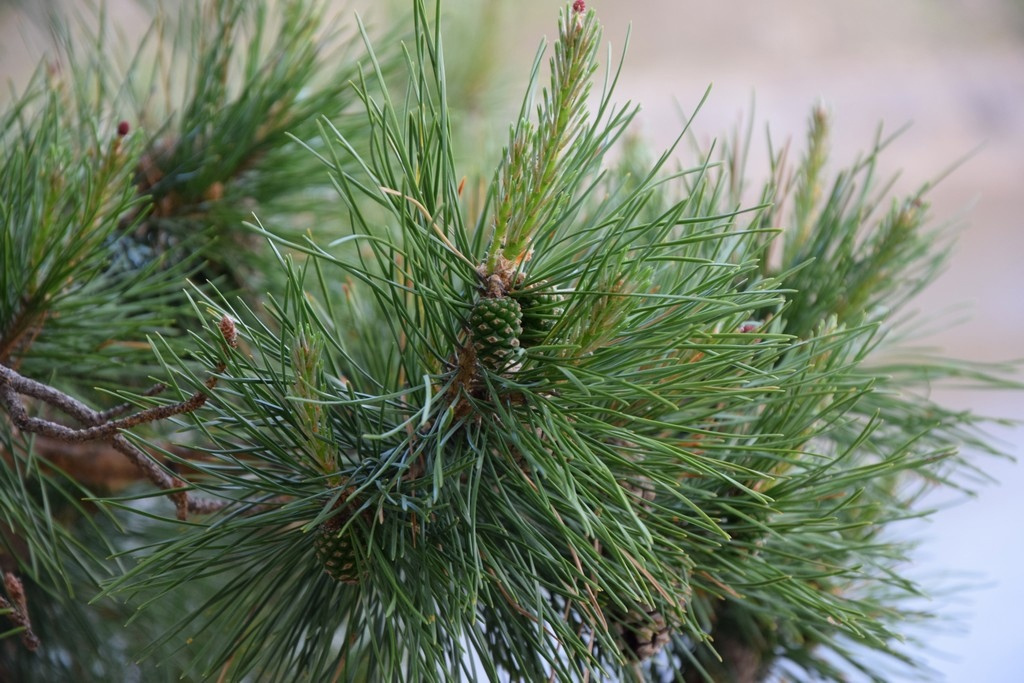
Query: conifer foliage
<point x="285" y="396"/>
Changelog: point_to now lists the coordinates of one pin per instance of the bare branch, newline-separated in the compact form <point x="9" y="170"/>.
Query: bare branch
<point x="100" y="426"/>
<point x="111" y="413"/>
<point x="99" y="430"/>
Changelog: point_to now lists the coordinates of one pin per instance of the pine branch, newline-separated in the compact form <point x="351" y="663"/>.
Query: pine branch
<point x="99" y="425"/>
<point x="606" y="423"/>
<point x="671" y="454"/>
<point x="93" y="210"/>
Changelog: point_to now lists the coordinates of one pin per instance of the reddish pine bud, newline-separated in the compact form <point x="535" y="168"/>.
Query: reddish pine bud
<point x="579" y="7"/>
<point x="123" y="128"/>
<point x="227" y="328"/>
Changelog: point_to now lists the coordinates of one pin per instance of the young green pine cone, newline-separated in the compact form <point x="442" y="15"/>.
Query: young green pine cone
<point x="337" y="553"/>
<point x="641" y="632"/>
<point x="496" y="325"/>
<point x="541" y="310"/>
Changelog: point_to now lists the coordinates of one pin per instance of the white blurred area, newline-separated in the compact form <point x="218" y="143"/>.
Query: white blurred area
<point x="954" y="70"/>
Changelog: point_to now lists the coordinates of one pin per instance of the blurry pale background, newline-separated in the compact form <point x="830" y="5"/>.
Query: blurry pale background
<point x="953" y="69"/>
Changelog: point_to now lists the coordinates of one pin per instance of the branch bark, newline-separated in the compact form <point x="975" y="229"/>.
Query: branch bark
<point x="99" y="425"/>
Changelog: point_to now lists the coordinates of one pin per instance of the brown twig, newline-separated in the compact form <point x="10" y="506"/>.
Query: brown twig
<point x="118" y="410"/>
<point x="14" y="384"/>
<point x="99" y="426"/>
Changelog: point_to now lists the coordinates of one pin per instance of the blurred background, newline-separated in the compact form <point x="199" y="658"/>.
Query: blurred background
<point x="953" y="70"/>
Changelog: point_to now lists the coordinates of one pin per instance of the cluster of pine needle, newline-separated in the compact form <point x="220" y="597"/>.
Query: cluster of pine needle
<point x="286" y="396"/>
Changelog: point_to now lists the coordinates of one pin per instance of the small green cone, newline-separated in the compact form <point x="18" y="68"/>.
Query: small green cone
<point x="337" y="553"/>
<point x="541" y="310"/>
<point x="496" y="325"/>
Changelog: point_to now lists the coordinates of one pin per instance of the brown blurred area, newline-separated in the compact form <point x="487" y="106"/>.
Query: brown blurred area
<point x="952" y="69"/>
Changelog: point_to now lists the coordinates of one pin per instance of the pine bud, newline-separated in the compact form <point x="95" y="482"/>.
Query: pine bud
<point x="313" y="420"/>
<point x="496" y="325"/>
<point x="229" y="331"/>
